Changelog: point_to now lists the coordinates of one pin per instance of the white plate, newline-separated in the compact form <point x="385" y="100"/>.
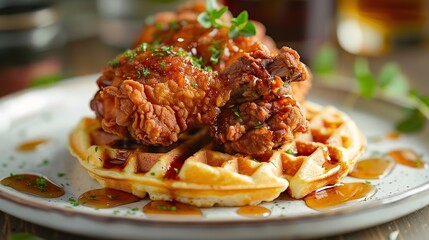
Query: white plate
<point x="52" y="112"/>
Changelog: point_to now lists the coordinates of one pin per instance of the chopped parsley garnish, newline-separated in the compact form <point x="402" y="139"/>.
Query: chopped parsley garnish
<point x="176" y="170"/>
<point x="41" y="183"/>
<point x="73" y="202"/>
<point x="43" y="163"/>
<point x="197" y="62"/>
<point x="236" y="113"/>
<point x="159" y="26"/>
<point x="130" y="54"/>
<point x="167" y="208"/>
<point x="92" y="197"/>
<point x="112" y="196"/>
<point x="291" y="151"/>
<point x="146" y="72"/>
<point x="162" y="64"/>
<point x="174" y="25"/>
<point x="114" y="63"/>
<point x="61" y="174"/>
<point x="216" y="52"/>
<point x="259" y="125"/>
<point x="143" y="47"/>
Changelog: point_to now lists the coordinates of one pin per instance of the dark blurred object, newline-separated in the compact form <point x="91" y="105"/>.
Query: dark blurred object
<point x="301" y="24"/>
<point x="373" y="28"/>
<point x="122" y="20"/>
<point x="29" y="32"/>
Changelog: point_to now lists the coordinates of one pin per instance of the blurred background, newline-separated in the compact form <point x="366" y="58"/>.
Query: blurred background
<point x="45" y="41"/>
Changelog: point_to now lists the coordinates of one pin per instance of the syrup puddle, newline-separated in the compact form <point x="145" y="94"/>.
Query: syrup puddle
<point x="106" y="198"/>
<point x="33" y="184"/>
<point x="31" y="145"/>
<point x="337" y="195"/>
<point x="372" y="168"/>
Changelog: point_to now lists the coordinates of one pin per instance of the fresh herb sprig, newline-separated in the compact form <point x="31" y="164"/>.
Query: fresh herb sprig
<point x="390" y="82"/>
<point x="212" y="16"/>
<point x="240" y="25"/>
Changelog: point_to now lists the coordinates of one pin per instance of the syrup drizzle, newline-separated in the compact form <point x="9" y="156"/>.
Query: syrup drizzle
<point x="393" y="135"/>
<point x="33" y="184"/>
<point x="372" y="168"/>
<point x="408" y="158"/>
<point x="338" y="194"/>
<point x="106" y="198"/>
<point x="31" y="145"/>
<point x="254" y="211"/>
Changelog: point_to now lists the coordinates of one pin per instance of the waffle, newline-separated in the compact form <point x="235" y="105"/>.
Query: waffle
<point x="193" y="171"/>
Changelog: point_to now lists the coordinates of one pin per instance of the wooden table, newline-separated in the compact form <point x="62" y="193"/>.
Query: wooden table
<point x="89" y="56"/>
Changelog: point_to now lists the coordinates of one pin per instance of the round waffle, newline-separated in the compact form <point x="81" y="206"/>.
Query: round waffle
<point x="193" y="171"/>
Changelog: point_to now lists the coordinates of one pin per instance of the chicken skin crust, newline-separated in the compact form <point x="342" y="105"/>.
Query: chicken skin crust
<point x="152" y="94"/>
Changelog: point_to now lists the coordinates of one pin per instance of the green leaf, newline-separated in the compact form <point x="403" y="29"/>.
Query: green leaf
<point x="218" y="13"/>
<point x="24" y="236"/>
<point x="366" y="81"/>
<point x="233" y="32"/>
<point x="413" y="122"/>
<point x="425" y="100"/>
<point x="46" y="80"/>
<point x="325" y="60"/>
<point x="204" y="20"/>
<point x="211" y="5"/>
<point x="392" y="81"/>
<point x="241" y="19"/>
<point x="210" y="18"/>
<point x="248" y="30"/>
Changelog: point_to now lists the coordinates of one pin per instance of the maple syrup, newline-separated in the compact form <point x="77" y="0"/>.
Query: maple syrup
<point x="372" y="168"/>
<point x="163" y="208"/>
<point x="31" y="145"/>
<point x="33" y="184"/>
<point x="393" y="135"/>
<point x="106" y="198"/>
<point x="408" y="158"/>
<point x="254" y="211"/>
<point x="336" y="195"/>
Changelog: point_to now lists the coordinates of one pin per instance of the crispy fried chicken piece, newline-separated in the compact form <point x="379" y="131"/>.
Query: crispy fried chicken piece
<point x="257" y="127"/>
<point x="212" y="45"/>
<point x="261" y="114"/>
<point x="154" y="94"/>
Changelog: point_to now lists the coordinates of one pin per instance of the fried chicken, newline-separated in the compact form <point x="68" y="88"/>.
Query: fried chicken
<point x="152" y="94"/>
<point x="182" y="75"/>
